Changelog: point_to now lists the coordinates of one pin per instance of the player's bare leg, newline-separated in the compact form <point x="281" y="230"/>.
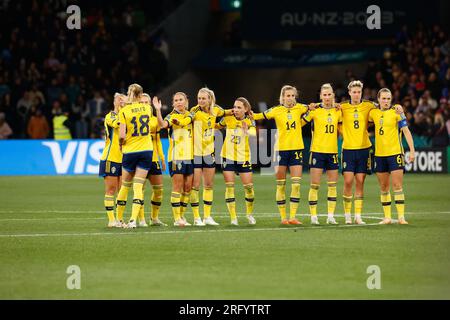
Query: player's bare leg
<point x="280" y="174"/>
<point x="332" y="176"/>
<point x="296" y="175"/>
<point x="383" y="181"/>
<point x="315" y="175"/>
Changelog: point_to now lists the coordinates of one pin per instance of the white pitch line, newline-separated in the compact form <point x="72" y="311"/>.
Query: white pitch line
<point x="261" y="214"/>
<point x="33" y="235"/>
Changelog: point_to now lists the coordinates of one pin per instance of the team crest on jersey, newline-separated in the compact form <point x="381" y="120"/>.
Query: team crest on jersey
<point x="330" y="119"/>
<point x="209" y="122"/>
<point x="289" y="116"/>
<point x="381" y="122"/>
<point x="355" y="115"/>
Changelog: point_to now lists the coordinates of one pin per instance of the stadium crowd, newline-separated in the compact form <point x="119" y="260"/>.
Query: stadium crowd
<point x="38" y="82"/>
<point x="47" y="69"/>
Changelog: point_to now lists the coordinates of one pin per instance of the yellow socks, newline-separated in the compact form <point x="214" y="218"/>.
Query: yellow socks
<point x="332" y="194"/>
<point x="249" y="197"/>
<point x="138" y="197"/>
<point x="184" y="202"/>
<point x="109" y="206"/>
<point x="207" y="201"/>
<point x="312" y="198"/>
<point x="281" y="198"/>
<point x="121" y="199"/>
<point x="194" y="203"/>
<point x="386" y="203"/>
<point x="399" y="198"/>
<point x="230" y="199"/>
<point x="141" y="215"/>
<point x="358" y="206"/>
<point x="157" y="195"/>
<point x="347" y="201"/>
<point x="295" y="197"/>
<point x="175" y="201"/>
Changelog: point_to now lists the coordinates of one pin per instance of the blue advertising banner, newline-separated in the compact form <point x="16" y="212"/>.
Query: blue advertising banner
<point x="320" y="19"/>
<point x="52" y="157"/>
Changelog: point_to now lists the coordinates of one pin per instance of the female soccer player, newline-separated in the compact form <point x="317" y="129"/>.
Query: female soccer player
<point x="155" y="173"/>
<point x="111" y="161"/>
<point x="290" y="146"/>
<point x="137" y="149"/>
<point x="356" y="159"/>
<point x="236" y="157"/>
<point x="204" y="117"/>
<point x="324" y="151"/>
<point x="180" y="155"/>
<point x="389" y="155"/>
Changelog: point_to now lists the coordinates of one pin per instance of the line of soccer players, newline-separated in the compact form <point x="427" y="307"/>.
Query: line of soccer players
<point x="133" y="152"/>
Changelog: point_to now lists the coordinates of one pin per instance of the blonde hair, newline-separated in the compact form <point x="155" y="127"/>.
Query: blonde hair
<point x="146" y="95"/>
<point x="326" y="86"/>
<point x="284" y="89"/>
<point x="246" y="104"/>
<point x="117" y="94"/>
<point x="211" y="95"/>
<point x="355" y="83"/>
<point x="383" y="90"/>
<point x="134" y="92"/>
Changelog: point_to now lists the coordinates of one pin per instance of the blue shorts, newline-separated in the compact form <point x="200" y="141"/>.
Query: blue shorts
<point x="357" y="161"/>
<point x="155" y="169"/>
<point x="238" y="167"/>
<point x="326" y="161"/>
<point x="142" y="160"/>
<point x="109" y="168"/>
<point x="389" y="163"/>
<point x="208" y="161"/>
<point x="184" y="167"/>
<point x="290" y="158"/>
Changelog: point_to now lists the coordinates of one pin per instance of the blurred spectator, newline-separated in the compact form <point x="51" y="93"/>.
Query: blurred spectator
<point x="5" y="129"/>
<point x="38" y="126"/>
<point x="61" y="125"/>
<point x="439" y="134"/>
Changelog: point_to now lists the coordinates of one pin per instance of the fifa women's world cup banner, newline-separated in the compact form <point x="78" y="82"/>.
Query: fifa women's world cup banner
<point x="81" y="157"/>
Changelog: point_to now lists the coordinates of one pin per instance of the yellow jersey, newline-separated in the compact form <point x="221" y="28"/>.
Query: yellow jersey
<point x="288" y="122"/>
<point x="236" y="146"/>
<point x="355" y="119"/>
<point x="181" y="142"/>
<point x="158" y="153"/>
<point x="112" y="152"/>
<point x="388" y="136"/>
<point x="137" y="117"/>
<point x="324" y="129"/>
<point x="203" y="125"/>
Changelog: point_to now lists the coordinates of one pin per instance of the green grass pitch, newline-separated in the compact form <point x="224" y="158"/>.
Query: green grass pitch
<point x="50" y="223"/>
